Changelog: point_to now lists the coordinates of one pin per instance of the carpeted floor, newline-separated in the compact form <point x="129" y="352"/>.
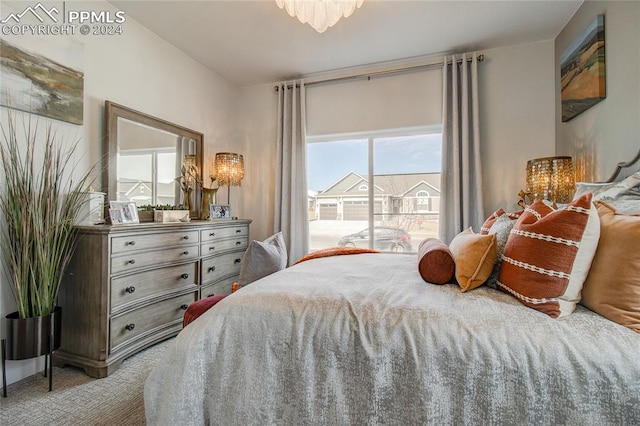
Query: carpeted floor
<point x="78" y="399"/>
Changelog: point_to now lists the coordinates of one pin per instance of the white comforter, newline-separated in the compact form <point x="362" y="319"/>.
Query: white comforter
<point x="361" y="339"/>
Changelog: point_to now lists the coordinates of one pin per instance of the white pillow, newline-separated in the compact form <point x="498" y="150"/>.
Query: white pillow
<point x="624" y="196"/>
<point x="263" y="258"/>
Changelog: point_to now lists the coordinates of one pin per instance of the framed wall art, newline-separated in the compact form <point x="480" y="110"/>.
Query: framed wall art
<point x="582" y="71"/>
<point x="49" y="84"/>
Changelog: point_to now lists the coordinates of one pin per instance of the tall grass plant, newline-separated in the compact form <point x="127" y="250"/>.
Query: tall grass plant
<point x="40" y="201"/>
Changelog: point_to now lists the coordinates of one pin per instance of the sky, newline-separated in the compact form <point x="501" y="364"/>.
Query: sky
<point x="327" y="162"/>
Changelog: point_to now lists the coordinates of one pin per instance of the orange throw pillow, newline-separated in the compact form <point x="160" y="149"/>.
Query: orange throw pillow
<point x="486" y="226"/>
<point x="474" y="255"/>
<point x="548" y="255"/>
<point x="612" y="288"/>
<point x="488" y="223"/>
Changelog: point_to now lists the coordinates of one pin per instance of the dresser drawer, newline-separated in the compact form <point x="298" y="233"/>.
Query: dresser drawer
<point x="226" y="232"/>
<point x="221" y="266"/>
<point x="216" y="246"/>
<point x="136" y="323"/>
<point x="129" y="288"/>
<point x="218" y="287"/>
<point x="136" y="260"/>
<point x="137" y="242"/>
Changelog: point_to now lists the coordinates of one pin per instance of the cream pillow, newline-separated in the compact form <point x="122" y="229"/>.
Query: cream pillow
<point x="263" y="258"/>
<point x="612" y="288"/>
<point x="474" y="256"/>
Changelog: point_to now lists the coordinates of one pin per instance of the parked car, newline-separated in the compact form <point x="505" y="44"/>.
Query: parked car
<point x="384" y="239"/>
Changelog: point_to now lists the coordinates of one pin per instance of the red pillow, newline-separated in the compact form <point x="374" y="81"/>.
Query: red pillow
<point x="486" y="226"/>
<point x="488" y="223"/>
<point x="435" y="261"/>
<point x="548" y="255"/>
<point x="200" y="307"/>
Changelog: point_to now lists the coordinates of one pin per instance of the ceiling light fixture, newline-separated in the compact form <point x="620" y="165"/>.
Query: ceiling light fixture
<point x="320" y="14"/>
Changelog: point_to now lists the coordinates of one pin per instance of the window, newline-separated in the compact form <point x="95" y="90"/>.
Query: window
<point x="374" y="192"/>
<point x="140" y="178"/>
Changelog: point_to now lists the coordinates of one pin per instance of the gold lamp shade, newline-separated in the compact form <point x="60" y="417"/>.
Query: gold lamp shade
<point x="551" y="178"/>
<point x="228" y="168"/>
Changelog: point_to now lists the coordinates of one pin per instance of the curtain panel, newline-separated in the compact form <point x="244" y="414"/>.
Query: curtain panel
<point x="461" y="185"/>
<point x="291" y="203"/>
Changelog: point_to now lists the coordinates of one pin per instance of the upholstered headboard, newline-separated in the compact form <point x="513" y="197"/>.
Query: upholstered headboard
<point x="630" y="166"/>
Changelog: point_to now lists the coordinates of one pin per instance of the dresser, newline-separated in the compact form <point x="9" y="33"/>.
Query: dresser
<point x="127" y="287"/>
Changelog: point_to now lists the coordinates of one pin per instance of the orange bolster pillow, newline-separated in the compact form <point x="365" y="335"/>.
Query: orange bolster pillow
<point x="435" y="261"/>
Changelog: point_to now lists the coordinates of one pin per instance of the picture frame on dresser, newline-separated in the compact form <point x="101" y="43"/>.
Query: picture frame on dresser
<point x="123" y="213"/>
<point x="219" y="211"/>
<point x="116" y="216"/>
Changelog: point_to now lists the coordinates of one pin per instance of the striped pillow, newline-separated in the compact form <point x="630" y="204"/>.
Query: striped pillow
<point x="548" y="255"/>
<point x="488" y="223"/>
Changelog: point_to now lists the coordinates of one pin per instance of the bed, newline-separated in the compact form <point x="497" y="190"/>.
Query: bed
<point x="363" y="339"/>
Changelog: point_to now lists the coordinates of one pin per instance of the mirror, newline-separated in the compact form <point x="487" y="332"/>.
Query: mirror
<point x="144" y="156"/>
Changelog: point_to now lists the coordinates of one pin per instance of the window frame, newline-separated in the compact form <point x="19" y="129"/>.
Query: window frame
<point x="153" y="152"/>
<point x="371" y="136"/>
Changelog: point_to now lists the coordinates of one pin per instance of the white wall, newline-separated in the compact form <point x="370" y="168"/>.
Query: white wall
<point x="516" y="118"/>
<point x="141" y="71"/>
<point x="257" y="141"/>
<point x="608" y="132"/>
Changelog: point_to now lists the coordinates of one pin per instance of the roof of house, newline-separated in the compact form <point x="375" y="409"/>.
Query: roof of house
<point x="397" y="185"/>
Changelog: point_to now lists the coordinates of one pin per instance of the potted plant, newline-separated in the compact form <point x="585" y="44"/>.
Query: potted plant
<point x="40" y="199"/>
<point x="168" y="213"/>
<point x="145" y="213"/>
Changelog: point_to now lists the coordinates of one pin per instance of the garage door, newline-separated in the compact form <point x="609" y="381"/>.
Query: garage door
<point x="356" y="210"/>
<point x="328" y="212"/>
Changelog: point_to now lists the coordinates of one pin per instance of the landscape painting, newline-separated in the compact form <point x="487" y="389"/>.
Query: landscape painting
<point x="43" y="85"/>
<point x="582" y="71"/>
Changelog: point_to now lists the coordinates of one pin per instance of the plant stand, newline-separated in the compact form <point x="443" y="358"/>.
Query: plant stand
<point x="30" y="338"/>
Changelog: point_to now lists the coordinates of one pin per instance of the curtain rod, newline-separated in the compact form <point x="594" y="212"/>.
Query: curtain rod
<point x="378" y="73"/>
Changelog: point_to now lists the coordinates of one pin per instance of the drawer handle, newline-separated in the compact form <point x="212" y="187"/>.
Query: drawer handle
<point x="212" y="234"/>
<point x="130" y="243"/>
<point x="132" y="261"/>
<point x="238" y="243"/>
<point x="130" y="327"/>
<point x="184" y="276"/>
<point x="237" y="261"/>
<point x="185" y="253"/>
<point x="212" y="248"/>
<point x="184" y="307"/>
<point x="186" y="237"/>
<point x="238" y="231"/>
<point x="212" y="294"/>
<point x="130" y="289"/>
<point x="211" y="268"/>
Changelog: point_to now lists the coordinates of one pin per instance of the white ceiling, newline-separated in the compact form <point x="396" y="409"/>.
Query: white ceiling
<point x="255" y="42"/>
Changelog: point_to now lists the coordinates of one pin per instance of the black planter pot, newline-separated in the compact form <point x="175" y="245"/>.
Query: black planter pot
<point x="29" y="338"/>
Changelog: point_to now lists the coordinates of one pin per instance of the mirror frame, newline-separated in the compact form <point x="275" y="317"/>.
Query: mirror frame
<point x="114" y="111"/>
